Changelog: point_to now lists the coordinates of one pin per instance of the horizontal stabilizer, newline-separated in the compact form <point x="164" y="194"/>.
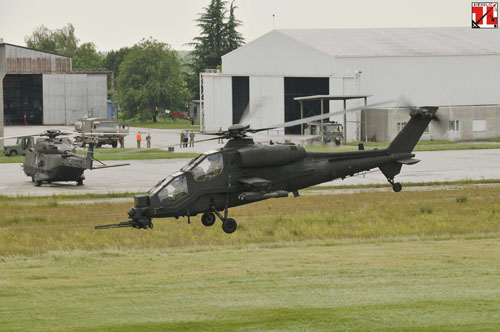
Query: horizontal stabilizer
<point x="410" y="161"/>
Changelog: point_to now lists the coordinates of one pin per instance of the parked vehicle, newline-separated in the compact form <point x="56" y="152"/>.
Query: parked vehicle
<point x="105" y="131"/>
<point x="22" y="144"/>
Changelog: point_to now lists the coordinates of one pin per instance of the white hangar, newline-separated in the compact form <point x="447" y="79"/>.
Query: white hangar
<point x="454" y="68"/>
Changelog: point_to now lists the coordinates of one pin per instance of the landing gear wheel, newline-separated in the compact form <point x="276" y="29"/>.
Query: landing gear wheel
<point x="208" y="219"/>
<point x="229" y="225"/>
<point x="38" y="183"/>
<point x="114" y="145"/>
<point x="397" y="187"/>
<point x="79" y="182"/>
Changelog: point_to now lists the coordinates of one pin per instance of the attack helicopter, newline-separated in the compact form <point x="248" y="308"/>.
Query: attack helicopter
<point x="244" y="172"/>
<point x="54" y="158"/>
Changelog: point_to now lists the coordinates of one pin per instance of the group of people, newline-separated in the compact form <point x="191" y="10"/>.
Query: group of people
<point x="187" y="137"/>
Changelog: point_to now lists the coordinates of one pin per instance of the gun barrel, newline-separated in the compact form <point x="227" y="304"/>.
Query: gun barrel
<point x="120" y="225"/>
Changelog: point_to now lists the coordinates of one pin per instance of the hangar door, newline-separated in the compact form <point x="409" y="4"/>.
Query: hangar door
<point x="301" y="87"/>
<point x="23" y="97"/>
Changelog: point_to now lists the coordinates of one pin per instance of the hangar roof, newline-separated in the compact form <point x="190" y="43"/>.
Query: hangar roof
<point x="398" y="41"/>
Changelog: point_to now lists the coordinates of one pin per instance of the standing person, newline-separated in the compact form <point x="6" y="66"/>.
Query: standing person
<point x="122" y="142"/>
<point x="191" y="139"/>
<point x="182" y="140"/>
<point x="139" y="139"/>
<point x="186" y="138"/>
<point x="220" y="140"/>
<point x="148" y="141"/>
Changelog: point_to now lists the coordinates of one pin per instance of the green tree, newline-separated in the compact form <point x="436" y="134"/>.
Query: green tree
<point x="218" y="36"/>
<point x="86" y="57"/>
<point x="232" y="38"/>
<point x="149" y="76"/>
<point x="62" y="41"/>
<point x="113" y="59"/>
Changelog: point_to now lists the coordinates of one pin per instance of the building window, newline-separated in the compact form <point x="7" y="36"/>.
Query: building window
<point x="478" y="125"/>
<point x="400" y="126"/>
<point x="453" y="125"/>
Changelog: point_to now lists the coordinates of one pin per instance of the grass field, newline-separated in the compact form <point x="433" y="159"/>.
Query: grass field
<point x="411" y="261"/>
<point x="421" y="146"/>
<point x="120" y="154"/>
<point x="163" y="123"/>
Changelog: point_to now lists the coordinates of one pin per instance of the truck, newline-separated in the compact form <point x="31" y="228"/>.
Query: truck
<point x="104" y="131"/>
<point x="22" y="144"/>
<point x="332" y="131"/>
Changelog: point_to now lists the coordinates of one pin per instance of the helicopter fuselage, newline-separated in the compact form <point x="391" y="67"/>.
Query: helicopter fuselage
<point x="243" y="172"/>
<point x="251" y="174"/>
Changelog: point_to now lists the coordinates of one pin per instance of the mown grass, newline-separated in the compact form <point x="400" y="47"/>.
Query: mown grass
<point x="421" y="146"/>
<point x="138" y="154"/>
<point x="120" y="154"/>
<point x="464" y="182"/>
<point x="162" y="123"/>
<point x="310" y="286"/>
<point x="409" y="261"/>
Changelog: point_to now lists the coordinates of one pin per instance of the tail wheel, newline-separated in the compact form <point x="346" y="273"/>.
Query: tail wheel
<point x="229" y="225"/>
<point x="208" y="219"/>
<point x="397" y="187"/>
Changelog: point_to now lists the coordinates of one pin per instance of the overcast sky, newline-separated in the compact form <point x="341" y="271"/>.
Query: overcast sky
<point x="112" y="24"/>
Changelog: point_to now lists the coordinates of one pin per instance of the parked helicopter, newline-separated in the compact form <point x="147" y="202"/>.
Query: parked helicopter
<point x="54" y="158"/>
<point x="243" y="172"/>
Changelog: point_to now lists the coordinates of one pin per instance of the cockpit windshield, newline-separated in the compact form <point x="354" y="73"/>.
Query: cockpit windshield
<point x="205" y="166"/>
<point x="208" y="167"/>
<point x="173" y="190"/>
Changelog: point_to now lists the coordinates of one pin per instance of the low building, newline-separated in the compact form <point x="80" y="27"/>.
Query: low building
<point x="40" y="88"/>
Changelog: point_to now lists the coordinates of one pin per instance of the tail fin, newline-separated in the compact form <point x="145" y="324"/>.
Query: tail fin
<point x="408" y="137"/>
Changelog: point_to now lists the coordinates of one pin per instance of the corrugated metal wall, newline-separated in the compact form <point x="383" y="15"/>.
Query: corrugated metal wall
<point x="69" y="97"/>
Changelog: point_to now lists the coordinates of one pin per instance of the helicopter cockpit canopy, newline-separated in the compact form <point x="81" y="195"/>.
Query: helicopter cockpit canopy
<point x="172" y="188"/>
<point x="204" y="167"/>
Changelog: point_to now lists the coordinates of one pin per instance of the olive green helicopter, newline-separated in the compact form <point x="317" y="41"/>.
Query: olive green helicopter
<point x="244" y="172"/>
<point x="54" y="158"/>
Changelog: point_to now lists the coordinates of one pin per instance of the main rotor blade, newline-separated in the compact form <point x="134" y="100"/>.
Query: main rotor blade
<point x="318" y="117"/>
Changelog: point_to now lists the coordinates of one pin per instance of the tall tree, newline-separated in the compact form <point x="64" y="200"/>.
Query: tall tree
<point x="218" y="36"/>
<point x="232" y="38"/>
<point x="150" y="76"/>
<point x="113" y="59"/>
<point x="62" y="41"/>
